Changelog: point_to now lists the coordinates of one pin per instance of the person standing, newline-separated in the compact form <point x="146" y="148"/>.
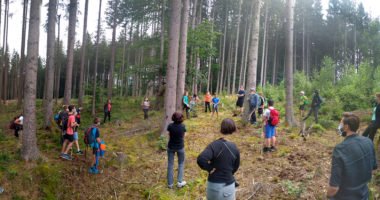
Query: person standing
<point x="353" y="161"/>
<point x="371" y="130"/>
<point x="193" y="105"/>
<point x="176" y="144"/>
<point x="240" y="100"/>
<point x="69" y="134"/>
<point x="271" y="119"/>
<point x="186" y="105"/>
<point x="18" y="124"/>
<point x="221" y="159"/>
<point x="315" y="106"/>
<point x="146" y="106"/>
<point x="215" y="106"/>
<point x="303" y="102"/>
<point x="208" y="98"/>
<point x="76" y="136"/>
<point x="253" y="104"/>
<point x="95" y="134"/>
<point x="107" y="111"/>
<point x="261" y="105"/>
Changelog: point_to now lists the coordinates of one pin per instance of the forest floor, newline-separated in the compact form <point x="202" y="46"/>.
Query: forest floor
<point x="135" y="168"/>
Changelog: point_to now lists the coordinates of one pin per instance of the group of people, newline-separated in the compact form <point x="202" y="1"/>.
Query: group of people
<point x="69" y="120"/>
<point x="189" y="105"/>
<point x="353" y="160"/>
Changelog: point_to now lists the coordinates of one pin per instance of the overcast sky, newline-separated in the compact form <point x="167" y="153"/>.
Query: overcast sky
<point x="15" y="22"/>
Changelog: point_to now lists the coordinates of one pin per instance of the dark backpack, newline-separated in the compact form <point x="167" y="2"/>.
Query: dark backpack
<point x="89" y="138"/>
<point x="254" y="100"/>
<point x="64" y="119"/>
<point x="274" y="117"/>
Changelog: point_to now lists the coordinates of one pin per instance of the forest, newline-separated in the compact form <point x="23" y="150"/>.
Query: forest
<point x="160" y="49"/>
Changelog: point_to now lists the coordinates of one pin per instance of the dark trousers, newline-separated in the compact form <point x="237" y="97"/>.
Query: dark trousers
<point x="146" y="113"/>
<point x="312" y="110"/>
<point x="252" y="118"/>
<point x="207" y="106"/>
<point x="371" y="130"/>
<point x="17" y="129"/>
<point x="107" y="114"/>
<point x="187" y="110"/>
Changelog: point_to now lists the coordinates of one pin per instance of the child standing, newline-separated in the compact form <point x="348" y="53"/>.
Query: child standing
<point x="271" y="120"/>
<point x="208" y="98"/>
<point x="215" y="105"/>
<point x="96" y="146"/>
<point x="107" y="111"/>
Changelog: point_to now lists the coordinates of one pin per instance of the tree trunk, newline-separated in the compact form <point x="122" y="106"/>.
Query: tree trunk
<point x="210" y="57"/>
<point x="253" y="55"/>
<point x="70" y="51"/>
<point x="93" y="112"/>
<point x="50" y="53"/>
<point x="182" y="54"/>
<point x="303" y="46"/>
<point x="242" y="64"/>
<point x="122" y="74"/>
<point x="59" y="65"/>
<point x="83" y="57"/>
<point x="247" y="47"/>
<point x="172" y="68"/>
<point x="162" y="48"/>
<point x="264" y="45"/>
<point x="29" y="149"/>
<point x="113" y="50"/>
<point x="289" y="115"/>
<point x="5" y="51"/>
<point x="274" y="61"/>
<point x="22" y="56"/>
<point x="223" y="51"/>
<point x="236" y="49"/>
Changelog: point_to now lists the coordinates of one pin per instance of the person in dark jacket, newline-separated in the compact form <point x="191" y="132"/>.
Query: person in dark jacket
<point x="371" y="130"/>
<point x="352" y="165"/>
<point x="107" y="111"/>
<point x="176" y="145"/>
<point x="221" y="159"/>
<point x="315" y="106"/>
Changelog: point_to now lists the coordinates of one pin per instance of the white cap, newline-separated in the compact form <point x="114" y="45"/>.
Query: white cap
<point x="253" y="89"/>
<point x="302" y="92"/>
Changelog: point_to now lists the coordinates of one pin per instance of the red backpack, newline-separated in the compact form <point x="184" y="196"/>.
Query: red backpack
<point x="274" y="118"/>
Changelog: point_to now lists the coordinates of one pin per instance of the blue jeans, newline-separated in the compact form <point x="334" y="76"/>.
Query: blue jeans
<point x="181" y="164"/>
<point x="220" y="191"/>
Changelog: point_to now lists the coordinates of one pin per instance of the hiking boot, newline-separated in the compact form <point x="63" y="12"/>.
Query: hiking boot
<point x="266" y="149"/>
<point x="170" y="186"/>
<point x="181" y="184"/>
<point x="272" y="149"/>
<point x="79" y="152"/>
<point x="93" y="170"/>
<point x="66" y="156"/>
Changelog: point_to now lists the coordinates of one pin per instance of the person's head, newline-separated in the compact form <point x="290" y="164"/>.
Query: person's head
<point x="227" y="127"/>
<point x="186" y="93"/>
<point x="351" y="123"/>
<point x="253" y="90"/>
<point x="378" y="97"/>
<point x="215" y="95"/>
<point x="270" y="102"/>
<point x="96" y="121"/>
<point x="316" y="92"/>
<point x="65" y="108"/>
<point x="146" y="99"/>
<point x="208" y="92"/>
<point x="195" y="95"/>
<point x="177" y="117"/>
<point x="241" y="87"/>
<point x="71" y="108"/>
<point x="302" y="93"/>
<point x="260" y="93"/>
<point x="109" y="101"/>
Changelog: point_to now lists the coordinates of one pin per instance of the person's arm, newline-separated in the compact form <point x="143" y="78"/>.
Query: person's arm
<point x="204" y="159"/>
<point x="336" y="175"/>
<point x="237" y="162"/>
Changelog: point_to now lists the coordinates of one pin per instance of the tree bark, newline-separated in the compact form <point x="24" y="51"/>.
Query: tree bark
<point x="29" y="149"/>
<point x="83" y="57"/>
<point x="172" y="68"/>
<point x="236" y="49"/>
<point x="70" y="51"/>
<point x="113" y="50"/>
<point x="223" y="51"/>
<point x="289" y="115"/>
<point x="253" y="55"/>
<point x="5" y="51"/>
<point x="274" y="61"/>
<point x="242" y="64"/>
<point x="59" y="65"/>
<point x="93" y="111"/>
<point x="50" y="56"/>
<point x="22" y="54"/>
<point x="182" y="54"/>
<point x="264" y="45"/>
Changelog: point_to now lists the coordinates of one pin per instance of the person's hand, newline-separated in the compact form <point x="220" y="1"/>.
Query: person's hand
<point x="212" y="171"/>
